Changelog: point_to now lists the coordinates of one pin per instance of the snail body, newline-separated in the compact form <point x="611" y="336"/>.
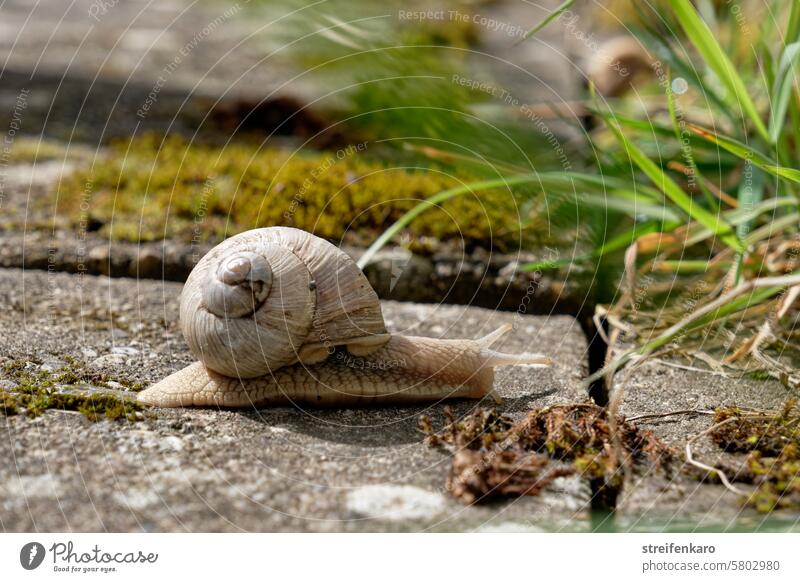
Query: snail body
<point x="277" y="315"/>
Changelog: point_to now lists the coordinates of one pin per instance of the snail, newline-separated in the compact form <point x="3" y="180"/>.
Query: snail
<point x="615" y="65"/>
<point x="277" y="315"/>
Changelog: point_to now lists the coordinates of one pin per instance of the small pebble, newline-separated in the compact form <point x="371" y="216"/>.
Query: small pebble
<point x="108" y="360"/>
<point x="394" y="502"/>
<point x="51" y="365"/>
<point x="124" y="350"/>
<point x="8" y="385"/>
<point x="118" y="334"/>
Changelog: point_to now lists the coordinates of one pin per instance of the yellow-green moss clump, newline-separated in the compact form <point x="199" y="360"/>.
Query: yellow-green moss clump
<point x="772" y="440"/>
<point x="149" y="189"/>
<point x="36" y="391"/>
<point x="27" y="150"/>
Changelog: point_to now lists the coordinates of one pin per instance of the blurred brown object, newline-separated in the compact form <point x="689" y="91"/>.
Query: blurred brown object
<point x="616" y="64"/>
<point x="280" y="115"/>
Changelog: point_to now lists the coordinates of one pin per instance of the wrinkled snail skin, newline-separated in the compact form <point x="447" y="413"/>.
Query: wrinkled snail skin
<point x="404" y="370"/>
<point x="278" y="315"/>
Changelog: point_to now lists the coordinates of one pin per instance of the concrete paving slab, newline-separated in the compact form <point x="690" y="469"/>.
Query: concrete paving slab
<point x="654" y="502"/>
<point x="280" y="469"/>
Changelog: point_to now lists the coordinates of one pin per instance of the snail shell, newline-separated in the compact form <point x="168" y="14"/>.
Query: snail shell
<point x="270" y="297"/>
<point x="614" y="66"/>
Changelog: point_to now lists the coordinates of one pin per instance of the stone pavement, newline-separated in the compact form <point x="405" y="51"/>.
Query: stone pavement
<point x="661" y="386"/>
<point x="288" y="469"/>
<point x="267" y="470"/>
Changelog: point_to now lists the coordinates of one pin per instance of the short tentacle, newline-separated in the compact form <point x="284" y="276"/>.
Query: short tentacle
<point x="494" y="358"/>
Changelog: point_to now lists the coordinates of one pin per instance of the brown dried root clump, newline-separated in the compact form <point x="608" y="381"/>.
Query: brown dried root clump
<point x="494" y="456"/>
<point x="743" y="431"/>
<point x="772" y="441"/>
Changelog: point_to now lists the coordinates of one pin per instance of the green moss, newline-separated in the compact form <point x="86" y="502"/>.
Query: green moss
<point x="8" y="403"/>
<point x="772" y="442"/>
<point x="759" y="375"/>
<point x="29" y="150"/>
<point x="778" y="480"/>
<point x="148" y="189"/>
<point x="37" y="391"/>
<point x="745" y="431"/>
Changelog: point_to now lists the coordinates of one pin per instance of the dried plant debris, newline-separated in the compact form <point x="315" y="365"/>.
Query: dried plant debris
<point x="481" y="475"/>
<point x="494" y="456"/>
<point x="743" y="431"/>
<point x="29" y="390"/>
<point x="772" y="441"/>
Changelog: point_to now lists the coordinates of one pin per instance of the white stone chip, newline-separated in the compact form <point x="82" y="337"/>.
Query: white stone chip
<point x="394" y="502"/>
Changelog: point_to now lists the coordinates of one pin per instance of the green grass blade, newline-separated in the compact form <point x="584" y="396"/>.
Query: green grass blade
<point x="672" y="191"/>
<point x="793" y="28"/>
<point x="622" y="241"/>
<point x="664" y="51"/>
<point x="756" y="297"/>
<point x="633" y="208"/>
<point x="548" y="265"/>
<point x="553" y="15"/>
<point x="702" y="37"/>
<point x="431" y="202"/>
<point x="747" y="153"/>
<point x="740" y="216"/>
<point x="627" y="238"/>
<point x="782" y="91"/>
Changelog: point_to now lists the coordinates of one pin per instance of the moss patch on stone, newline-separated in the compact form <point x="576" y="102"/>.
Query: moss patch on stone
<point x="150" y="189"/>
<point x="27" y="150"/>
<point x="745" y="431"/>
<point x="72" y="388"/>
<point x="772" y="443"/>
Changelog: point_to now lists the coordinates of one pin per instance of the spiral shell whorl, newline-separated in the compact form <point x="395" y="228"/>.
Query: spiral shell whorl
<point x="247" y="306"/>
<point x="240" y="285"/>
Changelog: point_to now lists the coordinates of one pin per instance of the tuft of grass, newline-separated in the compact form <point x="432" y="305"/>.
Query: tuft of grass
<point x="722" y="281"/>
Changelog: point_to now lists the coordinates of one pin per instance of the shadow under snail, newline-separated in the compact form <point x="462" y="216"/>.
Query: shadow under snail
<point x="277" y="315"/>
